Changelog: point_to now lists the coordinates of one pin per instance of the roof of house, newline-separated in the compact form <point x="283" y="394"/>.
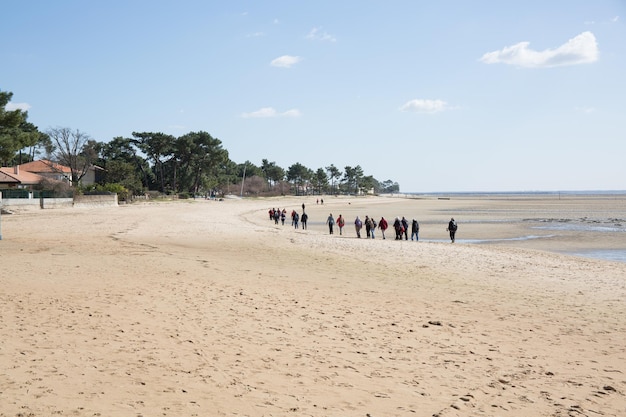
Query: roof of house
<point x="8" y="176"/>
<point x="45" y="166"/>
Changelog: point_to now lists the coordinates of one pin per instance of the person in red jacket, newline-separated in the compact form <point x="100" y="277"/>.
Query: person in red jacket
<point x="341" y="222"/>
<point x="383" y="225"/>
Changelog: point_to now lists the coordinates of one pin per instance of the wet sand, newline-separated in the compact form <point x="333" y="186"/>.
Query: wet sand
<point x="208" y="308"/>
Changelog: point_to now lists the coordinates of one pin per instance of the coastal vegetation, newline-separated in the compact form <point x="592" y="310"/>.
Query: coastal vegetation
<point x="195" y="163"/>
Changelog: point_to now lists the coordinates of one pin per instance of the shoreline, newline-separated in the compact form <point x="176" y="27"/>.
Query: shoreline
<point x="511" y="194"/>
<point x="589" y="225"/>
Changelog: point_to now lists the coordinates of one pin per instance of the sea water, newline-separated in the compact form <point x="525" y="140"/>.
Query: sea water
<point x="615" y="225"/>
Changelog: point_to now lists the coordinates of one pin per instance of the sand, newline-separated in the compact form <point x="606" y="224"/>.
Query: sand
<point x="206" y="308"/>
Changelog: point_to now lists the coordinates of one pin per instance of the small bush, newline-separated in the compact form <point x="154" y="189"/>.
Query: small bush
<point x="122" y="193"/>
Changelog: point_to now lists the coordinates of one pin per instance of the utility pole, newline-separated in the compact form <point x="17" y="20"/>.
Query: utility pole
<point x="243" y="179"/>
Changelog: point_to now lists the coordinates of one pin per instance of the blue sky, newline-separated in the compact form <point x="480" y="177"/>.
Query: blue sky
<point x="436" y="95"/>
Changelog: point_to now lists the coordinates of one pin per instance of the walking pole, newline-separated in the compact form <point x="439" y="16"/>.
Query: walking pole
<point x="0" y="217"/>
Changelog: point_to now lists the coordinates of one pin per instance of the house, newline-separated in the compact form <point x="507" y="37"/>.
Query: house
<point x="58" y="172"/>
<point x="13" y="177"/>
<point x="94" y="174"/>
<point x="48" y="169"/>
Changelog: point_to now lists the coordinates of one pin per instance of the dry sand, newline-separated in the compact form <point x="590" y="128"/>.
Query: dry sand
<point x="206" y="308"/>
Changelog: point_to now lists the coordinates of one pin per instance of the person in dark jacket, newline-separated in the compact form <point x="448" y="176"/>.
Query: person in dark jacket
<point x="452" y="227"/>
<point x="405" y="227"/>
<point x="397" y="226"/>
<point x="415" y="229"/>
<point x="330" y="222"/>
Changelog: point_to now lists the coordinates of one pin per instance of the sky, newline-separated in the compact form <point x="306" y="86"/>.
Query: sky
<point x="438" y="96"/>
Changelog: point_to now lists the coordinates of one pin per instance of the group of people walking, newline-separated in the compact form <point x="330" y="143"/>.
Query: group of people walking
<point x="296" y="219"/>
<point x="401" y="226"/>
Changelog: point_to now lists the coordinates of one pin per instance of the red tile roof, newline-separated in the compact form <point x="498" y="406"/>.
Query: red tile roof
<point x="45" y="166"/>
<point x="8" y="176"/>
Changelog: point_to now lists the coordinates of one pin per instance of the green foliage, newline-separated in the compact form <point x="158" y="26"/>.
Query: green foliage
<point x="195" y="163"/>
<point x="198" y="158"/>
<point x="389" y="186"/>
<point x="272" y="172"/>
<point x="110" y="188"/>
<point x="160" y="148"/>
<point x="300" y="176"/>
<point x="320" y="180"/>
<point x="123" y="173"/>
<point x="15" y="132"/>
<point x="333" y="174"/>
<point x="352" y="179"/>
<point x="129" y="168"/>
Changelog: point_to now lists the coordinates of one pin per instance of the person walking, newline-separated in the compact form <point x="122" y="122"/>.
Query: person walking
<point x="296" y="218"/>
<point x="330" y="222"/>
<point x="383" y="225"/>
<point x="398" y="228"/>
<point x="372" y="227"/>
<point x="303" y="219"/>
<point x="415" y="229"/>
<point x="358" y="224"/>
<point x="452" y="227"/>
<point x="368" y="226"/>
<point x="341" y="222"/>
<point x="405" y="228"/>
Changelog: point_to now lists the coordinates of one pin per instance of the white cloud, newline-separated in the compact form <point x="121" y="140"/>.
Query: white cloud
<point x="424" y="106"/>
<point x="316" y="35"/>
<point x="267" y="112"/>
<point x="615" y="19"/>
<point x="285" y="61"/>
<point x="17" y="106"/>
<point x="586" y="110"/>
<point x="292" y="113"/>
<point x="582" y="49"/>
<point x="256" y="35"/>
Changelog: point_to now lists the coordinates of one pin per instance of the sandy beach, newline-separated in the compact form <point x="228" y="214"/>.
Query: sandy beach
<point x="207" y="308"/>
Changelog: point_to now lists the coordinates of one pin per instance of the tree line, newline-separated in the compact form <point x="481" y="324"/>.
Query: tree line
<point x="192" y="164"/>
